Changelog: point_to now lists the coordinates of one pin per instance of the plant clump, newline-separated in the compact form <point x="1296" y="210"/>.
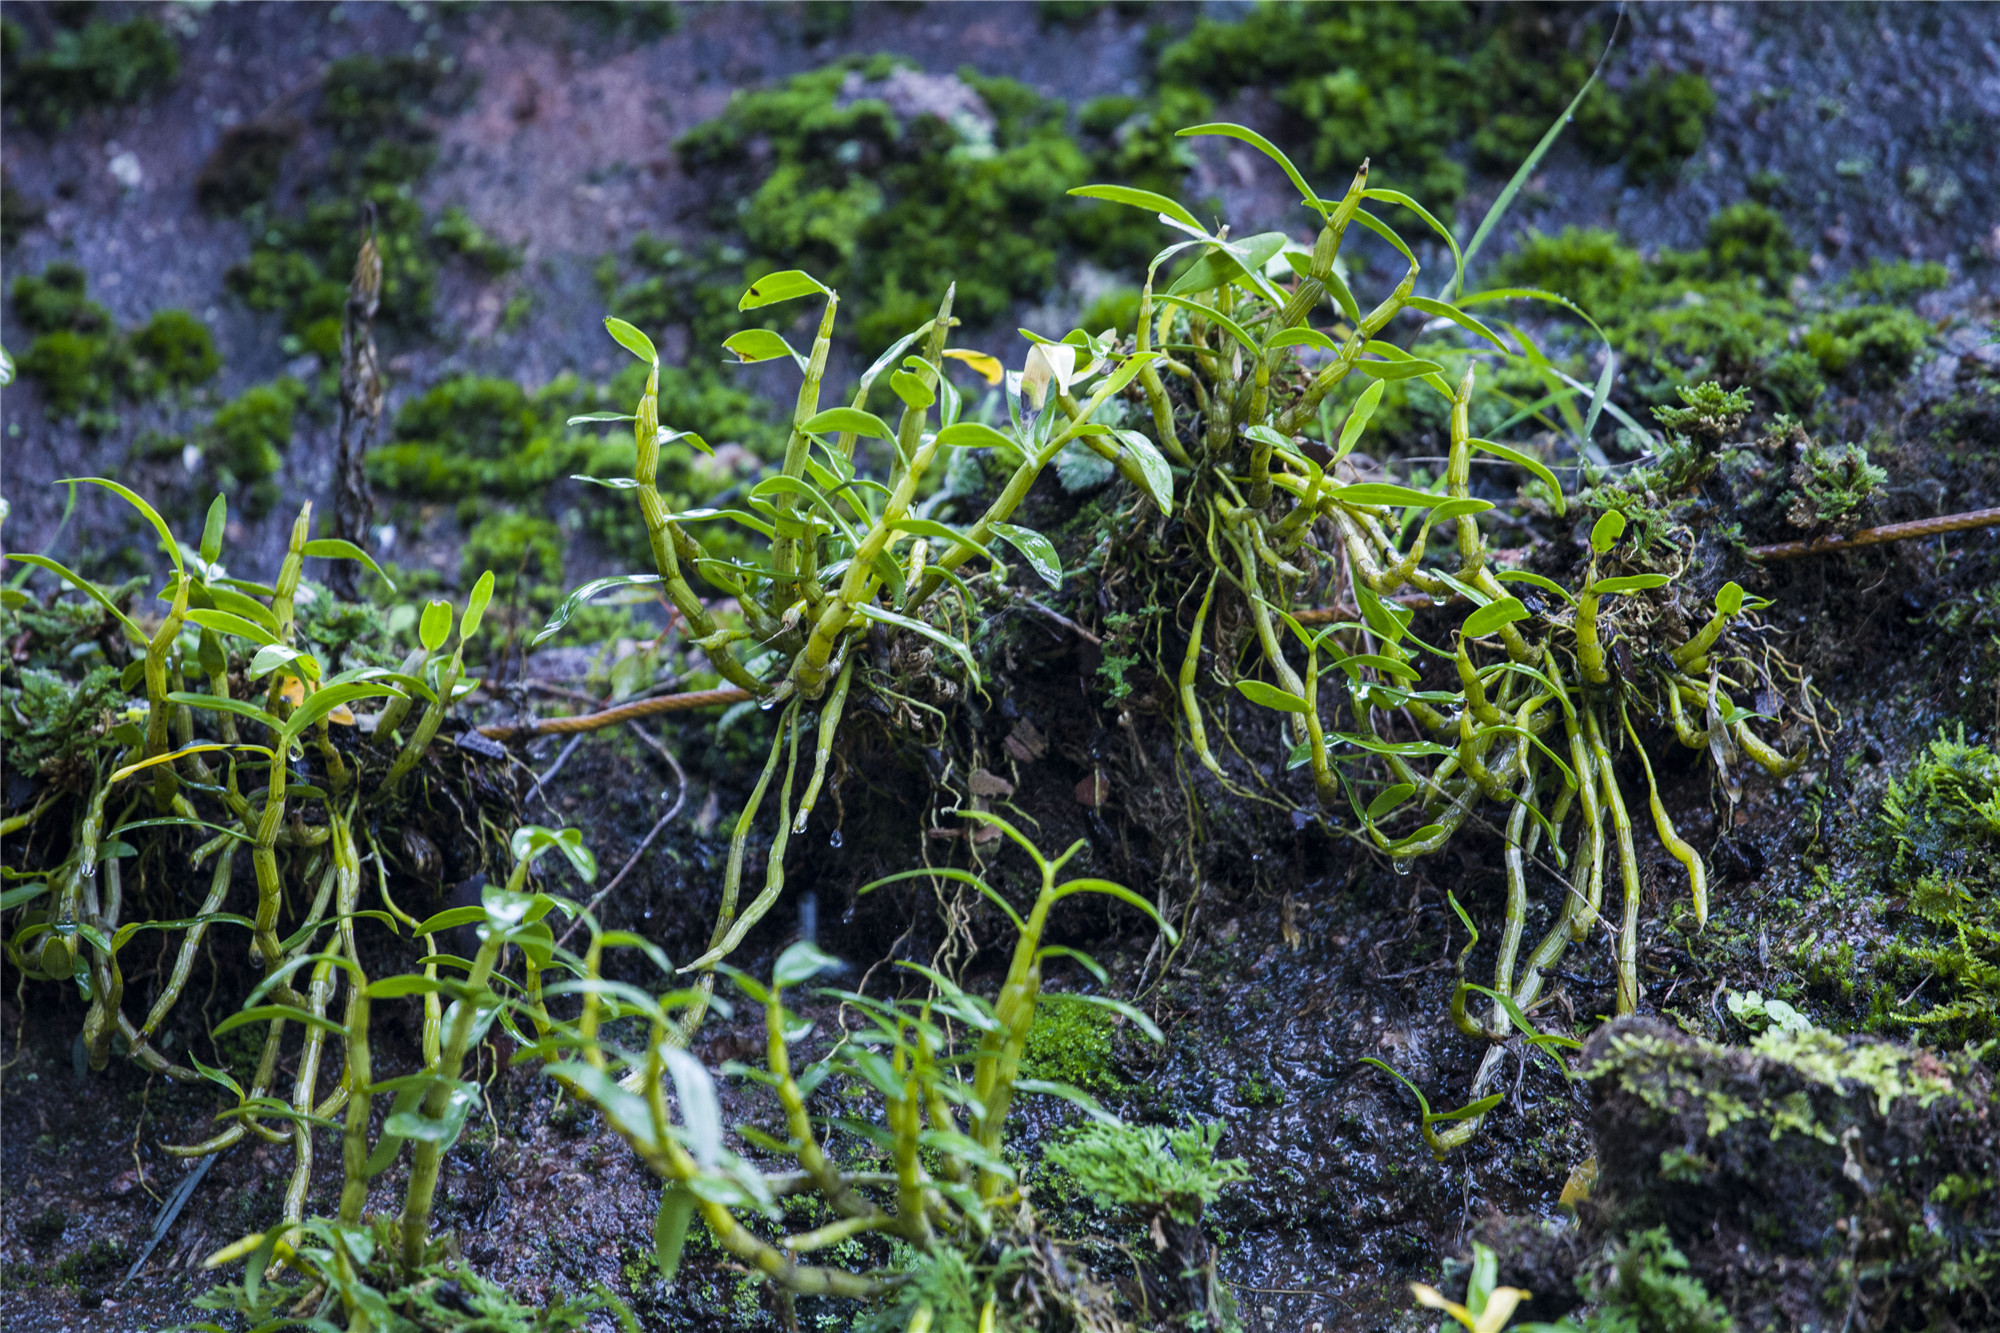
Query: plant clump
<point x="86" y="366"/>
<point x="99" y="63"/>
<point x="1416" y="83"/>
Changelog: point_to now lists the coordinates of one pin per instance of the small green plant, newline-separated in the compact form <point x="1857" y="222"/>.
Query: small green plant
<point x="1148" y="1167"/>
<point x="936" y="1132"/>
<point x="96" y="64"/>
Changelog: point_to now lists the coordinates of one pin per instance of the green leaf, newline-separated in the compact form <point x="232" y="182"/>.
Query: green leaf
<point x="1384" y="493"/>
<point x="1398" y="370"/>
<point x="152" y="514"/>
<point x="1358" y="418"/>
<point x="800" y="963"/>
<point x="25" y="893"/>
<point x="212" y="530"/>
<point x="1406" y="749"/>
<point x="192" y="699"/>
<point x="335" y="548"/>
<point x="1153" y="466"/>
<point x="752" y="345"/>
<point x="1389" y="799"/>
<point x="1531" y="464"/>
<point x="1604" y="534"/>
<point x="85" y="586"/>
<point x="912" y="389"/>
<point x="1146" y="199"/>
<point x="1533" y="580"/>
<point x="595" y="418"/>
<point x="701" y="1111"/>
<point x="1301" y="336"/>
<point x="1631" y="583"/>
<point x="264" y="1013"/>
<point x="435" y="626"/>
<point x="974" y="435"/>
<point x="839" y="419"/>
<point x="1038" y="550"/>
<point x="448" y="919"/>
<point x="1231" y="261"/>
<point x="1525" y="170"/>
<point x="1490" y="617"/>
<point x="670" y="1228"/>
<point x="1220" y="320"/>
<point x="576" y="600"/>
<point x="1440" y="310"/>
<point x="1270" y="696"/>
<point x="1729" y="598"/>
<point x="223" y="622"/>
<point x="323" y="701"/>
<point x="274" y="655"/>
<point x="775" y="287"/>
<point x="475" y="607"/>
<point x="1128" y="370"/>
<point x="1270" y="150"/>
<point x="633" y="341"/>
<point x="1451" y="509"/>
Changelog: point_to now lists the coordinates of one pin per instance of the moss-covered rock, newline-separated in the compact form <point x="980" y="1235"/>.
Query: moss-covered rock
<point x="245" y="442"/>
<point x="1808" y="1181"/>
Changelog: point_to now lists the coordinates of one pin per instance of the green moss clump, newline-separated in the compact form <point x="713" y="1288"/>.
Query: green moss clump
<point x="99" y="64"/>
<point x="1073" y="1041"/>
<point x="1832" y="485"/>
<point x="1725" y="311"/>
<point x="1874" y="344"/>
<point x="57" y="300"/>
<point x="463" y="237"/>
<point x="84" y="364"/>
<point x="176" y="350"/>
<point x="1643" y="1287"/>
<point x="1940" y="822"/>
<point x="245" y="442"/>
<point x="1149" y="1168"/>
<point x="887" y="183"/>
<point x="1415" y="82"/>
<point x="1896" y="280"/>
<point x="524" y="552"/>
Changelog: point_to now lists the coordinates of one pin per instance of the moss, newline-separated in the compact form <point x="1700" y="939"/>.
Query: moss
<point x="1073" y="1042"/>
<point x="1416" y="82"/>
<point x="99" y="64"/>
<point x="887" y="183"/>
<point x="176" y="350"/>
<point x="1872" y="344"/>
<point x="1797" y="1156"/>
<point x="1896" y="280"/>
<point x="244" y="444"/>
<point x="467" y="239"/>
<point x="1832" y="484"/>
<point x="56" y="300"/>
<point x="524" y="552"/>
<point x="1644" y="1287"/>
<point x="1726" y="311"/>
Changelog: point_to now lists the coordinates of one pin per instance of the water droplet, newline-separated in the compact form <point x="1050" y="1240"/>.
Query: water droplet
<point x="834" y="839"/>
<point x="1402" y="864"/>
<point x="767" y="703"/>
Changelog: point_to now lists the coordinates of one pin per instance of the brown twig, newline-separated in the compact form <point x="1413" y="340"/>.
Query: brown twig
<point x="1891" y="532"/>
<point x="611" y="717"/>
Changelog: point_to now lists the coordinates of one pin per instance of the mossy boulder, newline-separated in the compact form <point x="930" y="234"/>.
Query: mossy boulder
<point x="1811" y="1181"/>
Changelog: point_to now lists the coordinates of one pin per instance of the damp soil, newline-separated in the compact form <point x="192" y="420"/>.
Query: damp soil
<point x="1302" y="954"/>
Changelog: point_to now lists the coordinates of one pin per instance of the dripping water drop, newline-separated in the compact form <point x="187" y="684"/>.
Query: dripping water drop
<point x="834" y="839"/>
